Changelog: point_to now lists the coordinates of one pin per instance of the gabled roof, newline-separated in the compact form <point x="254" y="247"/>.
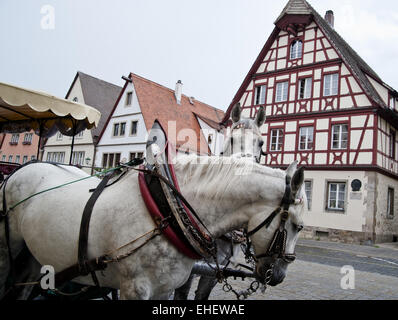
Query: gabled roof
<point x="99" y="94"/>
<point x="159" y="102"/>
<point x="357" y="65"/>
<point x="296" y="7"/>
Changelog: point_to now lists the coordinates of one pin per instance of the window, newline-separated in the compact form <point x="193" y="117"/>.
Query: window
<point x="260" y="95"/>
<point x="28" y="138"/>
<point x="336" y="196"/>
<point x="276" y="140"/>
<point x="24" y="159"/>
<point x="296" y="49"/>
<point x="129" y="98"/>
<point x="134" y="126"/>
<point x="210" y="139"/>
<point x="59" y="136"/>
<point x="390" y="202"/>
<point x="136" y="155"/>
<point x="305" y="88"/>
<point x="14" y="139"/>
<point x="392" y="103"/>
<point x="119" y="129"/>
<point x="331" y="85"/>
<point x="340" y="136"/>
<point x="116" y="129"/>
<point x="110" y="160"/>
<point x="392" y="144"/>
<point x="4" y="158"/>
<point x="306" y="138"/>
<point x="80" y="135"/>
<point x="58" y="157"/>
<point x="9" y="158"/>
<point x="122" y="128"/>
<point x="78" y="158"/>
<point x="17" y="159"/>
<point x="281" y="91"/>
<point x="32" y="158"/>
<point x="308" y="192"/>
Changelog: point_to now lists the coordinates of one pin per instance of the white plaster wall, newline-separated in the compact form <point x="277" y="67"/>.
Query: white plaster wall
<point x="353" y="219"/>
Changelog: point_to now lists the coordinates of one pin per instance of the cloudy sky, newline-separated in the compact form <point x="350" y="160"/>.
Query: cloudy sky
<point x="208" y="44"/>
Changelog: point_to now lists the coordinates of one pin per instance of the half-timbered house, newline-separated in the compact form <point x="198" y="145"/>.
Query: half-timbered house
<point x="330" y="111"/>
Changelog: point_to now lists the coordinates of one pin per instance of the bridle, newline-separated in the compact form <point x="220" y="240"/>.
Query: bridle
<point x="244" y="124"/>
<point x="277" y="248"/>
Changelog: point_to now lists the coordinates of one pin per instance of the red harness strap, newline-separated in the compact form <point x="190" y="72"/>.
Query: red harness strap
<point x="157" y="216"/>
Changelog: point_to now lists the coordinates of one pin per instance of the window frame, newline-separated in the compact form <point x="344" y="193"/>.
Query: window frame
<point x="260" y="94"/>
<point x="115" y="156"/>
<point x="309" y="199"/>
<point x="392" y="145"/>
<point x="129" y="99"/>
<point x="332" y="94"/>
<point x="299" y="54"/>
<point x="338" y="193"/>
<point x="390" y="202"/>
<point x="14" y="138"/>
<point x="305" y="79"/>
<point x="307" y="140"/>
<point x="333" y="125"/>
<point x="136" y="128"/>
<point x="282" y="95"/>
<point x="278" y="142"/>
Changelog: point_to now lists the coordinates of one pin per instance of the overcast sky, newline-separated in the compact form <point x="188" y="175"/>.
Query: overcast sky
<point x="209" y="44"/>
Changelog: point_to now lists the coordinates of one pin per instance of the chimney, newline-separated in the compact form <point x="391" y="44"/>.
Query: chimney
<point x="329" y="17"/>
<point x="178" y="91"/>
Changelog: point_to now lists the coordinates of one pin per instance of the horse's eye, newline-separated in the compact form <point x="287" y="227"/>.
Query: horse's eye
<point x="261" y="143"/>
<point x="298" y="227"/>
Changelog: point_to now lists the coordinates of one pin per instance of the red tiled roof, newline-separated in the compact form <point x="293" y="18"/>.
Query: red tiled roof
<point x="159" y="102"/>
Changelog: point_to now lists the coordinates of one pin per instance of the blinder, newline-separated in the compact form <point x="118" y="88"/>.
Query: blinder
<point x="277" y="248"/>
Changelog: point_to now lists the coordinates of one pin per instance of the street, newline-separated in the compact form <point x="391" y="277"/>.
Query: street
<point x="316" y="274"/>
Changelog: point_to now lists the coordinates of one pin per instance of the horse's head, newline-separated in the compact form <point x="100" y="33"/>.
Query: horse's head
<point x="274" y="239"/>
<point x="245" y="138"/>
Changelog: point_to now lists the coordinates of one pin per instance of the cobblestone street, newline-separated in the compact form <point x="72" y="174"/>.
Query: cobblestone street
<point x="316" y="275"/>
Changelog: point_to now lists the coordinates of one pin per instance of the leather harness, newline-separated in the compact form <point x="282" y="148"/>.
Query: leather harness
<point x="277" y="247"/>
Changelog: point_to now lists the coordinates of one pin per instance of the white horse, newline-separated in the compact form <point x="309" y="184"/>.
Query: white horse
<point x="224" y="198"/>
<point x="244" y="139"/>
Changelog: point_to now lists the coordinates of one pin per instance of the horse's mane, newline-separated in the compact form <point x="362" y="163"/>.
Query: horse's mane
<point x="207" y="172"/>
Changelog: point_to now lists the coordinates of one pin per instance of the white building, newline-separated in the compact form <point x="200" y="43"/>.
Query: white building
<point x="191" y="125"/>
<point x="94" y="92"/>
<point x="330" y="111"/>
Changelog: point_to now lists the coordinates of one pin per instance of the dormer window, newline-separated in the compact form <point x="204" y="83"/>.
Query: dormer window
<point x="129" y="98"/>
<point x="296" y="49"/>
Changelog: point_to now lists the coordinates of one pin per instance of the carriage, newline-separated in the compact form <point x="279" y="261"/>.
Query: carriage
<point x="151" y="205"/>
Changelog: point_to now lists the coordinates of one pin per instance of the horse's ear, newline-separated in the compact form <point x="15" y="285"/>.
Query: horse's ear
<point x="297" y="181"/>
<point x="236" y="113"/>
<point x="292" y="169"/>
<point x="260" y="118"/>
